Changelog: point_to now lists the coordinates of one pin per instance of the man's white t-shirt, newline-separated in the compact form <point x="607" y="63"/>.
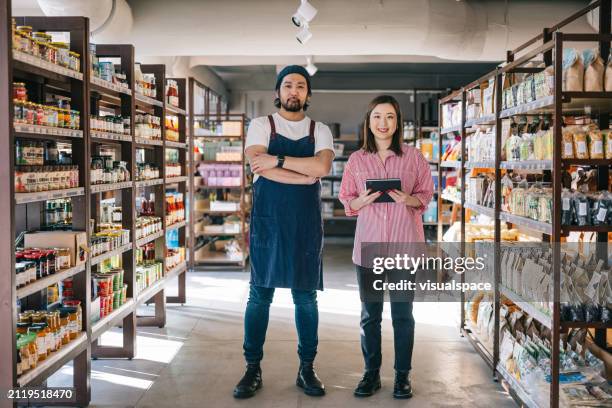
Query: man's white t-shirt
<point x="259" y="132"/>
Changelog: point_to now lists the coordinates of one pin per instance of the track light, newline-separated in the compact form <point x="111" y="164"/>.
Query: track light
<point x="311" y="67"/>
<point x="304" y="14"/>
<point x="303" y="35"/>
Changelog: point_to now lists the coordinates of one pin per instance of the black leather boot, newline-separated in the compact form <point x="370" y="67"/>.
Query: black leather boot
<point x="250" y="382"/>
<point x="308" y="380"/>
<point x="402" y="388"/>
<point x="369" y="384"/>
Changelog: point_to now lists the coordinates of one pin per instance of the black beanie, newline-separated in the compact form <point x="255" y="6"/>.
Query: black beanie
<point x="293" y="69"/>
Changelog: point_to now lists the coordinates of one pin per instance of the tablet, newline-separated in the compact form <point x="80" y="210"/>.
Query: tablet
<point x="383" y="185"/>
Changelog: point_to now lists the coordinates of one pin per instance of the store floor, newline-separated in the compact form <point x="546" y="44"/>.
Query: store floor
<point x="197" y="359"/>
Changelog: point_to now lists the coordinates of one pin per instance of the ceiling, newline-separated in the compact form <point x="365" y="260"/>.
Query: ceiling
<point x="364" y="43"/>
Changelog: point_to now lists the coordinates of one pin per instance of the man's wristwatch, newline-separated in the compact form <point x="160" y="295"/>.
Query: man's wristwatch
<point x="281" y="161"/>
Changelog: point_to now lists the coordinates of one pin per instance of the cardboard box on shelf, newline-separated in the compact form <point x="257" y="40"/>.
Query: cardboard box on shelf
<point x="76" y="241"/>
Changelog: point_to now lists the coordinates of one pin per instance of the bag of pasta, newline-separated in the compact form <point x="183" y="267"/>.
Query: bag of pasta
<point x="581" y="149"/>
<point x="573" y="71"/>
<point x="583" y="213"/>
<point x="602" y="209"/>
<point x="607" y="134"/>
<point x="596" y="143"/>
<point x="568" y="212"/>
<point x="593" y="71"/>
<point x="608" y="75"/>
<point x="567" y="146"/>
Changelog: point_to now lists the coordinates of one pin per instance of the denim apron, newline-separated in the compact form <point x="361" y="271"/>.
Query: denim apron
<point x="286" y="232"/>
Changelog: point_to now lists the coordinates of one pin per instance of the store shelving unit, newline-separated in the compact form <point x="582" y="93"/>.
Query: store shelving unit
<point x="178" y="184"/>
<point x="22" y="212"/>
<point x="548" y="47"/>
<point x="112" y="99"/>
<point x="444" y="167"/>
<point x="202" y="256"/>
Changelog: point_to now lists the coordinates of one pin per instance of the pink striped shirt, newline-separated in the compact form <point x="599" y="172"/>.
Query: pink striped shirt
<point x="387" y="222"/>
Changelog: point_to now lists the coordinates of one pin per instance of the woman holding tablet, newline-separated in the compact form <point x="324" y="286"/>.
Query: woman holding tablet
<point x="382" y="160"/>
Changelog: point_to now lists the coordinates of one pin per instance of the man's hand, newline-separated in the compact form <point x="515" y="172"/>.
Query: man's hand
<point x="263" y="161"/>
<point x="400" y="197"/>
<point x="366" y="197"/>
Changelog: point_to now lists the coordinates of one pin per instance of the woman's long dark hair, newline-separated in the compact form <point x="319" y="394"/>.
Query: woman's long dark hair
<point x="369" y="143"/>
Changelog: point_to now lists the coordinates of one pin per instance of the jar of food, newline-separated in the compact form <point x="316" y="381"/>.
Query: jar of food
<point x="65" y="327"/>
<point x="41" y="342"/>
<point x="19" y="91"/>
<point x="73" y="319"/>
<point x="22" y="327"/>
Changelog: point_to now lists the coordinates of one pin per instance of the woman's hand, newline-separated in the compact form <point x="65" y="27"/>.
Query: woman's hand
<point x="366" y="197"/>
<point x="400" y="197"/>
<point x="263" y="161"/>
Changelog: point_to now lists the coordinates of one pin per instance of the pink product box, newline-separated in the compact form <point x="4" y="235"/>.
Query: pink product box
<point x="222" y="181"/>
<point x="220" y="170"/>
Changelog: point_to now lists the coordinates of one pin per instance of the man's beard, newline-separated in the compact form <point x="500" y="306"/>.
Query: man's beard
<point x="292" y="105"/>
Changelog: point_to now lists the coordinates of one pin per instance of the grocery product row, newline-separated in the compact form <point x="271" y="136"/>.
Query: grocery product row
<point x="549" y="214"/>
<point x="88" y="148"/>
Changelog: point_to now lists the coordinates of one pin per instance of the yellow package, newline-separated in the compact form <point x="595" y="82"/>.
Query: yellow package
<point x="567" y="146"/>
<point x="581" y="150"/>
<point x="596" y="144"/>
<point x="608" y="140"/>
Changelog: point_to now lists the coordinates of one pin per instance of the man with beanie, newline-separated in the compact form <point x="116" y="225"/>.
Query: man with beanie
<point x="288" y="152"/>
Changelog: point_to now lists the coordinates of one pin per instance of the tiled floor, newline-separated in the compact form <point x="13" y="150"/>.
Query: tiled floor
<point x="196" y="359"/>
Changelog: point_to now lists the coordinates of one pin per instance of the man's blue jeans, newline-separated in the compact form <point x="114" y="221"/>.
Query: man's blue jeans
<point x="257" y="316"/>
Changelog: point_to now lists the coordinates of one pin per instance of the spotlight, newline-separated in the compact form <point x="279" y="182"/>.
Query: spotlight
<point x="304" y="14"/>
<point x="304" y="35"/>
<point x="311" y="67"/>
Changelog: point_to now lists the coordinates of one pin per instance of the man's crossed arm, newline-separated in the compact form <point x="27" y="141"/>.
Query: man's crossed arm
<point x="296" y="170"/>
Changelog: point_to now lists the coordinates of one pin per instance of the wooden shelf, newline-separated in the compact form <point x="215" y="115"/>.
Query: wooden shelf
<point x="175" y="110"/>
<point x="587" y="228"/>
<point x="176" y="225"/>
<point x="519" y="393"/>
<point x="451" y="129"/>
<point x="144" y="142"/>
<point x="97" y="135"/>
<point x="101" y="188"/>
<point x="483" y="120"/>
<point x="534" y="225"/>
<point x="220" y="258"/>
<point x="455" y="200"/>
<point x="480" y="165"/>
<point x="38" y="66"/>
<point x="527" y="307"/>
<point x="453" y="164"/>
<point x="99" y="84"/>
<point x="149" y="183"/>
<point x="205" y="187"/>
<point x="45" y="132"/>
<point x="152" y="290"/>
<point x="220" y="162"/>
<point x="141" y="99"/>
<point x="117" y="251"/>
<point x="151" y="237"/>
<point x="44" y="283"/>
<point x="573" y="103"/>
<point x="175" y="180"/>
<point x="176" y="145"/>
<point x="218" y="234"/>
<point x="113" y="319"/>
<point x="24" y="198"/>
<point x="54" y="362"/>
<point x="587" y="162"/>
<point x="480" y="209"/>
<point x="527" y="165"/>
